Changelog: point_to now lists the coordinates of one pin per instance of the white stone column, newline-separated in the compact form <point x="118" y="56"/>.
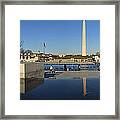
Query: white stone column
<point x="84" y="52"/>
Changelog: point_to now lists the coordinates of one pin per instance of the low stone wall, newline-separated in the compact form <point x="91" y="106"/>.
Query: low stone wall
<point x="29" y="84"/>
<point x="31" y="70"/>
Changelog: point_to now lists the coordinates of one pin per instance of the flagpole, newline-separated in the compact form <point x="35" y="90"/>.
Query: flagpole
<point x="44" y="51"/>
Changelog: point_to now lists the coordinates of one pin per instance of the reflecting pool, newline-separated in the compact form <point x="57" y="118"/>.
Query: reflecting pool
<point x="61" y="89"/>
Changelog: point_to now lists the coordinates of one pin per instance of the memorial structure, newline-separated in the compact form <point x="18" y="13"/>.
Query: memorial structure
<point x="84" y="51"/>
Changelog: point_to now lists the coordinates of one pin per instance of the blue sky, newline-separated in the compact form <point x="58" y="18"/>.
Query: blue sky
<point x="60" y="36"/>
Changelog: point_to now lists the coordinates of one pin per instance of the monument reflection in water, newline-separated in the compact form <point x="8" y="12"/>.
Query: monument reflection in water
<point x="61" y="89"/>
<point x="84" y="86"/>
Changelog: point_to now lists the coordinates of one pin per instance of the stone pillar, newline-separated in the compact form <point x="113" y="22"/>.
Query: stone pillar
<point x="84" y="38"/>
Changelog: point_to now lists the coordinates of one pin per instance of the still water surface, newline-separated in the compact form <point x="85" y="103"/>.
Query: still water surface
<point x="62" y="89"/>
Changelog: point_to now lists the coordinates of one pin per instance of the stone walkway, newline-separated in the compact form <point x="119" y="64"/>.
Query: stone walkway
<point x="78" y="74"/>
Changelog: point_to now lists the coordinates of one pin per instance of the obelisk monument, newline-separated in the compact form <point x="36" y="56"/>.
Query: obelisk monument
<point x="84" y="52"/>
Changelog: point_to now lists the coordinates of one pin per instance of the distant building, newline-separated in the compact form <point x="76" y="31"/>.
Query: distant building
<point x="28" y="57"/>
<point x="61" y="55"/>
<point x="97" y="58"/>
<point x="36" y="57"/>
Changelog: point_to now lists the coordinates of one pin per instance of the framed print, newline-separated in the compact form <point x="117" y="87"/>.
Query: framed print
<point x="60" y="59"/>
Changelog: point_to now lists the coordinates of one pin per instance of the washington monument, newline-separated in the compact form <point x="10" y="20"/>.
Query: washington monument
<point x="84" y="52"/>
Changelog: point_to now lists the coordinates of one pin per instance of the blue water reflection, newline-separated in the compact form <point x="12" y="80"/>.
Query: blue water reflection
<point x="64" y="89"/>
